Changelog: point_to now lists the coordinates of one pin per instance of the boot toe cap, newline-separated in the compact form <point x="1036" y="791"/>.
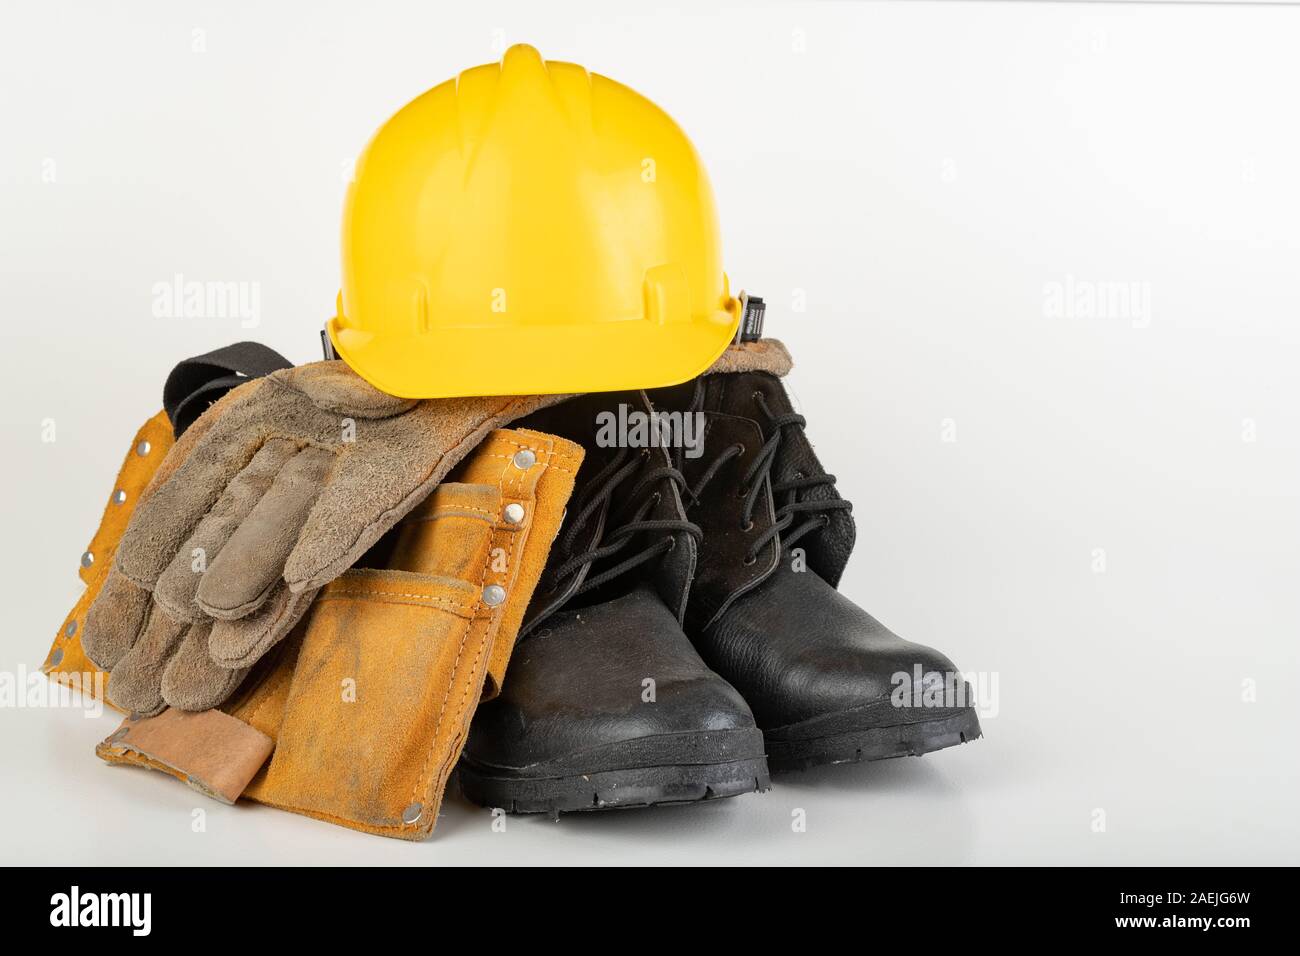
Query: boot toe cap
<point x="616" y="684"/>
<point x="798" y="650"/>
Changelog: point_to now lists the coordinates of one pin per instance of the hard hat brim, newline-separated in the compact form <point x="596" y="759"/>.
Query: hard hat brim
<point x="537" y="360"/>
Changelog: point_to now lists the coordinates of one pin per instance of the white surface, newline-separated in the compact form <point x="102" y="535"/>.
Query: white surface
<point x="918" y="174"/>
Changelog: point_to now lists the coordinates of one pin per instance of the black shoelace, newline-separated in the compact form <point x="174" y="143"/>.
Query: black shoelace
<point x="622" y="528"/>
<point x="788" y="495"/>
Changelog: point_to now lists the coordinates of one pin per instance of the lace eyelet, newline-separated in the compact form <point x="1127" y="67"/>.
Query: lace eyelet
<point x="740" y="449"/>
<point x="799" y="476"/>
<point x="750" y="559"/>
<point x="747" y="527"/>
<point x="742" y="493"/>
<point x="672" y="545"/>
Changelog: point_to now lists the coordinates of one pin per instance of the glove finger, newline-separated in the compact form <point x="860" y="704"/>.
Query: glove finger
<point x="192" y="680"/>
<point x="243" y="574"/>
<point x="114" y="619"/>
<point x="135" y="684"/>
<point x="177" y="587"/>
<point x="242" y="643"/>
<point x="367" y="495"/>
<point x="169" y="511"/>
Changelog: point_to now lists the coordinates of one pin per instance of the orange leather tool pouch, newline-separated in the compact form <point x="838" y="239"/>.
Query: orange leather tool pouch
<point x="364" y="709"/>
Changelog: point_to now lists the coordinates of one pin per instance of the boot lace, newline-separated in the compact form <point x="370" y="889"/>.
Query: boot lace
<point x="621" y="528"/>
<point x="791" y="505"/>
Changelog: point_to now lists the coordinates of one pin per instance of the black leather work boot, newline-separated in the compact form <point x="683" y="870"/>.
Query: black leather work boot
<point x="606" y="703"/>
<point x="826" y="681"/>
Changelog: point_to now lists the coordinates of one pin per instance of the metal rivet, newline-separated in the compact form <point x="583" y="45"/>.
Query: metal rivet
<point x="412" y="813"/>
<point x="514" y="512"/>
<point x="70" y="628"/>
<point x="143" y="448"/>
<point x="56" y="658"/>
<point x="119" y="497"/>
<point x="525" y="458"/>
<point x="87" y="559"/>
<point x="494" y="595"/>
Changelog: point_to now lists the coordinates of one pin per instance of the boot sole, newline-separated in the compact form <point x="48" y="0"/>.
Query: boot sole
<point x="871" y="743"/>
<point x="528" y="791"/>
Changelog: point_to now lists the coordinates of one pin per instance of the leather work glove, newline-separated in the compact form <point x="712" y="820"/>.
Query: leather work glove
<point x="274" y="492"/>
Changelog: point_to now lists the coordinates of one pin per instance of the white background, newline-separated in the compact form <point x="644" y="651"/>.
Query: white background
<point x="904" y="182"/>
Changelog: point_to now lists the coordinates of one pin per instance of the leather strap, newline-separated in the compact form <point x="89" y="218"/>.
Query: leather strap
<point x="211" y="751"/>
<point x="195" y="383"/>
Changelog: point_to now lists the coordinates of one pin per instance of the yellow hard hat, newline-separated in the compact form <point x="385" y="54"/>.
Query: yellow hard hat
<point x="530" y="228"/>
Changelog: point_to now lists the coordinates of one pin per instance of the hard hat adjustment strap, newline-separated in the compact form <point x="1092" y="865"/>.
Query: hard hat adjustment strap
<point x="752" y="309"/>
<point x="327" y="346"/>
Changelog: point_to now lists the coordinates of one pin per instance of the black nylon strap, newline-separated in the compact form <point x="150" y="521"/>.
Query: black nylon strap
<point x="195" y="383"/>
